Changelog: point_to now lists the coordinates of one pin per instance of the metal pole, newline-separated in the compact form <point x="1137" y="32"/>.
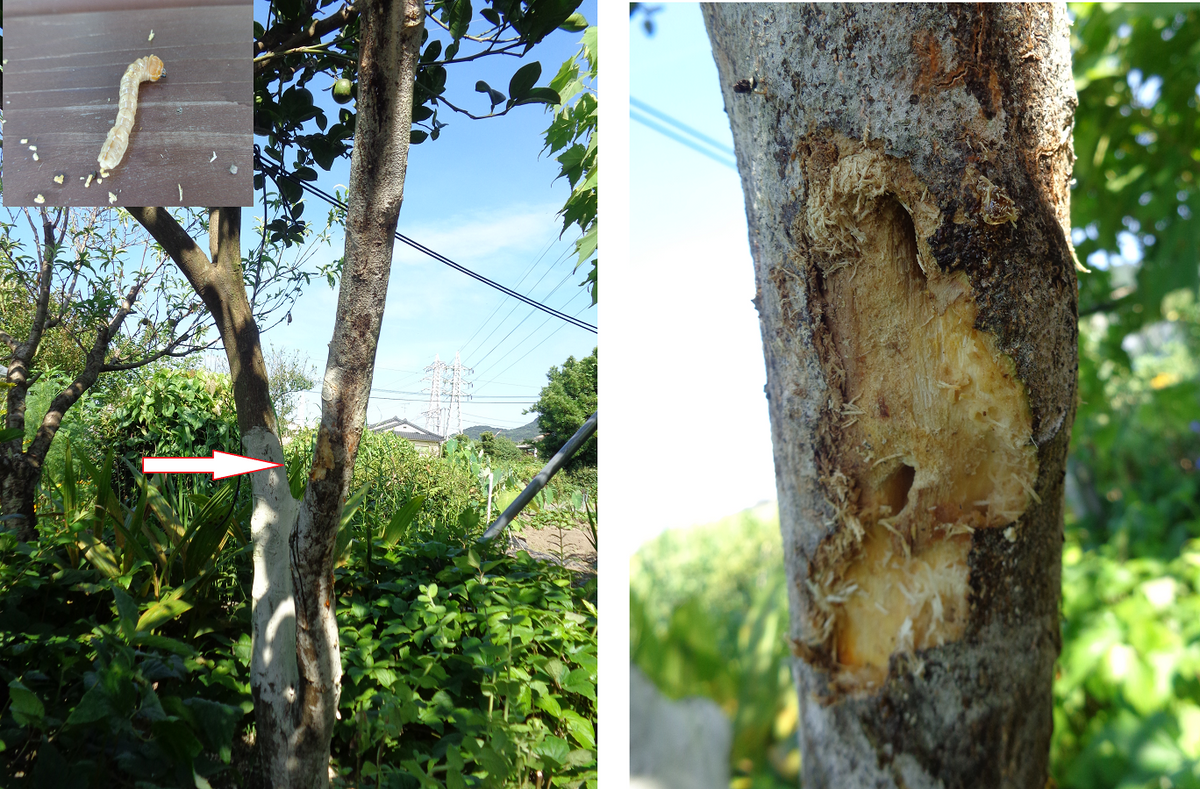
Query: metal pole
<point x="543" y="476"/>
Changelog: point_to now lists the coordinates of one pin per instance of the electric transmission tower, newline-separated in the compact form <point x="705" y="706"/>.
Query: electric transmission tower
<point x="433" y="413"/>
<point x="457" y="384"/>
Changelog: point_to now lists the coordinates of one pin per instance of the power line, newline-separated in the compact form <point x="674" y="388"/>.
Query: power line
<point x="278" y="172"/>
<point x="514" y="307"/>
<point x="662" y="116"/>
<point x="520" y="323"/>
<point x="531" y="350"/>
<point x="519" y="343"/>
<point x="500" y="304"/>
<point x="666" y="132"/>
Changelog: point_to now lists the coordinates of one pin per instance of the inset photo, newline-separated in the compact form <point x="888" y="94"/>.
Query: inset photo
<point x="129" y="103"/>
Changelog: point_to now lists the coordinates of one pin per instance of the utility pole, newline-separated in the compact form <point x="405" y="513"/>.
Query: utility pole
<point x="456" y="389"/>
<point x="433" y="412"/>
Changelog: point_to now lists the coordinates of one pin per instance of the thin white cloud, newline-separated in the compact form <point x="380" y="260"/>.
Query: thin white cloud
<point x="478" y="236"/>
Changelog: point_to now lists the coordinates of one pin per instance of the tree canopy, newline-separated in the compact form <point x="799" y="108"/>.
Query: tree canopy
<point x="565" y="403"/>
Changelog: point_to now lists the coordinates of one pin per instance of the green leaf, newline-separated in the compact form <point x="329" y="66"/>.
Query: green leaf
<point x="95" y="705"/>
<point x="399" y="524"/>
<point x="458" y="17"/>
<point x="167" y="608"/>
<point x="540" y="96"/>
<point x="176" y="739"/>
<point x="216" y="725"/>
<point x="99" y="554"/>
<point x="554" y="748"/>
<point x="8" y="434"/>
<point x="578" y="681"/>
<point x="27" y="708"/>
<point x="574" y="23"/>
<point x="68" y="486"/>
<point x="242" y="649"/>
<point x="417" y="136"/>
<point x="432" y="51"/>
<point x="557" y="671"/>
<point x="162" y="642"/>
<point x="213" y="521"/>
<point x="580" y="728"/>
<point x="523" y="81"/>
<point x="494" y="96"/>
<point x="127" y="611"/>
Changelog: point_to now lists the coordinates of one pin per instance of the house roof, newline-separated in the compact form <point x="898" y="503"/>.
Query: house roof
<point x="402" y="427"/>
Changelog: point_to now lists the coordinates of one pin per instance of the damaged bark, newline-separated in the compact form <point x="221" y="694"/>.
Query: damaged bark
<point x="296" y="664"/>
<point x="906" y="171"/>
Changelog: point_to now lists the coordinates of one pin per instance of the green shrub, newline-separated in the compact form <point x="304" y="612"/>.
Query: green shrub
<point x="500" y="448"/>
<point x="1127" y="694"/>
<point x="474" y="670"/>
<point x="91" y="699"/>
<point x="393" y="472"/>
<point x="709" y="616"/>
<point x="172" y="412"/>
<point x="459" y="667"/>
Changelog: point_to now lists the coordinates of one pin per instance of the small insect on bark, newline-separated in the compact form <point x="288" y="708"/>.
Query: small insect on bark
<point x="147" y="68"/>
<point x="752" y="85"/>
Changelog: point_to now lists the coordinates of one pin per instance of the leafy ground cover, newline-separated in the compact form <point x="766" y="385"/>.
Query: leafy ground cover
<point x="125" y="647"/>
<point x="461" y="669"/>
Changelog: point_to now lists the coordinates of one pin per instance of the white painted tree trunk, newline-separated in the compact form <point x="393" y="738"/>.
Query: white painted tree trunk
<point x="906" y="172"/>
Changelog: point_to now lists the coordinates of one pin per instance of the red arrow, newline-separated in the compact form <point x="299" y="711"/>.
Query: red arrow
<point x="220" y="465"/>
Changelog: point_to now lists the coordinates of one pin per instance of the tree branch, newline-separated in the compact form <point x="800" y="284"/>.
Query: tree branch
<point x="178" y="245"/>
<point x="272" y="44"/>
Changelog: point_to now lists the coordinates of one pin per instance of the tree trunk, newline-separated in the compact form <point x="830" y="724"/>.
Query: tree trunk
<point x="390" y="41"/>
<point x="295" y="670"/>
<point x="906" y="171"/>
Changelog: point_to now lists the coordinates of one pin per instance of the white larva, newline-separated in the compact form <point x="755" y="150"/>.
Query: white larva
<point x="147" y="68"/>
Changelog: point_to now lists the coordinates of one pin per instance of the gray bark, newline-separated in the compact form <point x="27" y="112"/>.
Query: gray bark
<point x="390" y="42"/>
<point x="906" y="173"/>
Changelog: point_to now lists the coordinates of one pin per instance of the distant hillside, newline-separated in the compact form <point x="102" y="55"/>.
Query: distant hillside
<point x="516" y="434"/>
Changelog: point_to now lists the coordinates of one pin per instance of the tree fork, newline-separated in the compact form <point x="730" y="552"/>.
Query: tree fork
<point x="906" y="171"/>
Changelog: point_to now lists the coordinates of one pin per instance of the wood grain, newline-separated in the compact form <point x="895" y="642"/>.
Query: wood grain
<point x="64" y="68"/>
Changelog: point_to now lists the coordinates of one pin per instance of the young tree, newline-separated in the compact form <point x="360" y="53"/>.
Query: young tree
<point x="906" y="171"/>
<point x="78" y="291"/>
<point x="295" y="663"/>
<point x="289" y="374"/>
<point x="566" y="402"/>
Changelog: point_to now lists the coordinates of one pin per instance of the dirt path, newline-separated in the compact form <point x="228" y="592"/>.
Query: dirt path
<point x="570" y="547"/>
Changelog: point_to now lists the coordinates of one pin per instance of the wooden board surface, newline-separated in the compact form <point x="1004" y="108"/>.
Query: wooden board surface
<point x="65" y="59"/>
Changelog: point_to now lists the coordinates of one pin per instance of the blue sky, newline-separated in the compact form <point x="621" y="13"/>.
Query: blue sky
<point x="691" y="359"/>
<point x="485" y="196"/>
